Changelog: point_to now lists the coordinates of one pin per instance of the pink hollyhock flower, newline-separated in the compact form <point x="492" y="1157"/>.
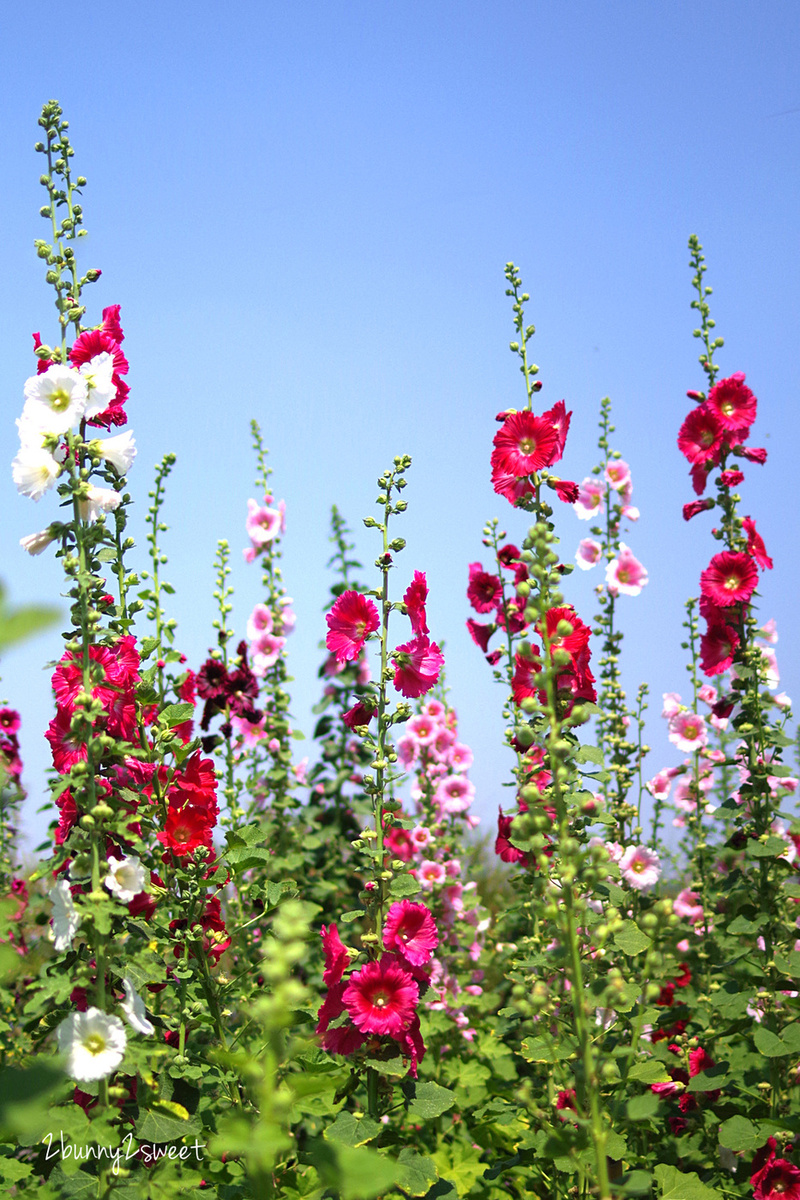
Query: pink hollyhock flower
<point x="382" y="997"/>
<point x="414" y="600"/>
<point x="618" y="474"/>
<point x="731" y="478"/>
<point x="640" y="867"/>
<point x="717" y="648"/>
<point x="266" y="652"/>
<point x="423" y="728"/>
<point x="729" y="578"/>
<point x="768" y="632"/>
<point x="590" y="497"/>
<point x="407" y="750"/>
<point x="435" y="709"/>
<point x="687" y="904"/>
<point x="659" y="786"/>
<point x="484" y="591"/>
<point x="417" y="666"/>
<point x="259" y="622"/>
<point x="454" y="794"/>
<point x="625" y="573"/>
<point x="442" y="744"/>
<point x="733" y="403"/>
<point x="588" y="553"/>
<point x="708" y="694"/>
<point x="460" y="757"/>
<point x="687" y="731"/>
<point x="430" y="873"/>
<point x="755" y="544"/>
<point x="672" y="703"/>
<point x="264" y="523"/>
<point x="525" y="443"/>
<point x="411" y="930"/>
<point x="421" y="837"/>
<point x="350" y="622"/>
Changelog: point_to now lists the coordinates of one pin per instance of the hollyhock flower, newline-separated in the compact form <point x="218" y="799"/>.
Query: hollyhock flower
<point x="454" y="794"/>
<point x="729" y="578"/>
<point x="417" y="666"/>
<point x="708" y="694"/>
<point x="68" y="748"/>
<point x="119" y="450"/>
<point x="559" y="418"/>
<point x="66" y="917"/>
<point x="480" y="634"/>
<point x="640" y="867"/>
<point x="588" y="553"/>
<point x="414" y="600"/>
<point x="461" y="757"/>
<point x="516" y="491"/>
<point x="407" y="750"/>
<point x="266" y="652"/>
<point x="753" y="454"/>
<point x="697" y="506"/>
<point x="35" y="543"/>
<point x="423" y="728"/>
<point x="360" y="714"/>
<point x="134" y="1011"/>
<point x="484" y="591"/>
<point x="659" y="786"/>
<point x="100" y="384"/>
<point x="717" y="648"/>
<point x="566" y="1104"/>
<point x="589" y="499"/>
<point x="93" y="1042"/>
<point x="259" y="622"/>
<point x="126" y="877"/>
<point x="527" y="666"/>
<point x="502" y="846"/>
<point x="625" y="573"/>
<point x="382" y="997"/>
<point x="731" y="478"/>
<point x="701" y="435"/>
<point x="336" y="956"/>
<point x="617" y="474"/>
<point x="350" y="622"/>
<point x="525" y="443"/>
<point x="566" y="490"/>
<point x="185" y="830"/>
<point x="687" y="904"/>
<point x="430" y="873"/>
<point x="755" y="544"/>
<point x="34" y="471"/>
<point x="687" y="731"/>
<point x="55" y="400"/>
<point x="733" y="403"/>
<point x="98" y="501"/>
<point x="421" y="837"/>
<point x="263" y="522"/>
<point x="398" y="843"/>
<point x="411" y="930"/>
<point x="778" y="1179"/>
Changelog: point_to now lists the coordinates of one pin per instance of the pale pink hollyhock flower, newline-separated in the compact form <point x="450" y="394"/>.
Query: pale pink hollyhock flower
<point x="625" y="573"/>
<point x="453" y="867"/>
<point x="782" y="700"/>
<point x="301" y="770"/>
<point x="460" y="758"/>
<point x="588" y="553"/>
<point x="615" y="851"/>
<point x="454" y="794"/>
<point x="266" y="652"/>
<point x="708" y="694"/>
<point x="420" y="836"/>
<point x="259" y="621"/>
<point x="720" y="723"/>
<point x="769" y="632"/>
<point x="672" y="703"/>
<point x="640" y="867"/>
<point x="407" y="750"/>
<point x="631" y="512"/>
<point x="250" y="732"/>
<point x="590" y="497"/>
<point x="430" y="873"/>
<point x="784" y="781"/>
<point x="687" y="731"/>
<point x="659" y="786"/>
<point x="442" y="743"/>
<point x="473" y="820"/>
<point x="263" y="522"/>
<point x="772" y="675"/>
<point x="687" y="904"/>
<point x="618" y="474"/>
<point x="682" y="945"/>
<point x="434" y="709"/>
<point x="423" y="729"/>
<point x="288" y="615"/>
<point x="273" y="745"/>
<point x="35" y="543"/>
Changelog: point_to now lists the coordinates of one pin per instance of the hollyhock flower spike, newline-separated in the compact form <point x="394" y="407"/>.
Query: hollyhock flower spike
<point x="350" y="622"/>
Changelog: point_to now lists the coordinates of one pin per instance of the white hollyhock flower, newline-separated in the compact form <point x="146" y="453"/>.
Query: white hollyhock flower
<point x="34" y="471"/>
<point x="119" y="450"/>
<point x="99" y="500"/>
<point x="55" y="400"/>
<point x="66" y="917"/>
<point x="93" y="1042"/>
<point x="134" y="1011"/>
<point x="35" y="543"/>
<point x="126" y="877"/>
<point x="98" y="372"/>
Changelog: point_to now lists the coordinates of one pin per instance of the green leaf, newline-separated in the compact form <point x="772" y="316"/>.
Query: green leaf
<point x="640" y="1108"/>
<point x="404" y="885"/>
<point x="353" y="915"/>
<point x="741" y="924"/>
<point x="789" y="964"/>
<point x="354" y="1171"/>
<point x="637" y="1183"/>
<point x="16" y="624"/>
<point x="392" y="1067"/>
<point x="774" y="847"/>
<point x="710" y="1079"/>
<point x="770" y="1044"/>
<point x="175" y="714"/>
<point x="738" y="1133"/>
<point x="349" y="1130"/>
<point x="651" y="1071"/>
<point x="417" y="1173"/>
<point x="590" y="754"/>
<point x="616" y="1146"/>
<point x="631" y="939"/>
<point x="164" y="1127"/>
<point x="12" y="1170"/>
<point x="677" y="1186"/>
<point x="430" y="1100"/>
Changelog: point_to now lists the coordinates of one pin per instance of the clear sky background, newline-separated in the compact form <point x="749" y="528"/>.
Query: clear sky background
<point x="305" y="210"/>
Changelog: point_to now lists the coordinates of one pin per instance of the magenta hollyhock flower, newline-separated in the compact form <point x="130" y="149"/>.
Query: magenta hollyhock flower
<point x="778" y="1179"/>
<point x="411" y="930"/>
<point x="336" y="956"/>
<point x="687" y="731"/>
<point x="382" y="997"/>
<point x="733" y="403"/>
<point x="430" y="873"/>
<point x="566" y="489"/>
<point x="640" y="867"/>
<point x="414" y="600"/>
<point x="731" y="478"/>
<point x="659" y="786"/>
<point x="417" y="666"/>
<point x="588" y="553"/>
<point x="687" y="904"/>
<point x="559" y="418"/>
<point x="753" y="454"/>
<point x="590" y="496"/>
<point x="480" y="634"/>
<point x="625" y="573"/>
<point x="701" y="435"/>
<point x="697" y="506"/>
<point x="359" y="714"/>
<point x="524" y="443"/>
<point x="755" y="544"/>
<point x="484" y="590"/>
<point x="729" y="578"/>
<point x="350" y="622"/>
<point x="502" y="846"/>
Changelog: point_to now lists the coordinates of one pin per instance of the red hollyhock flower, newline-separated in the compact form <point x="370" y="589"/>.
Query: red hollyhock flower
<point x="755" y="544"/>
<point x="216" y="938"/>
<point x="526" y="667"/>
<point x="525" y="443"/>
<point x="411" y="930"/>
<point x="697" y="506"/>
<point x="484" y="591"/>
<point x="414" y="600"/>
<point x="195" y="786"/>
<point x="502" y="846"/>
<point x="566" y="1104"/>
<point x="731" y="478"/>
<point x="185" y="830"/>
<point x="733" y="403"/>
<point x="336" y="956"/>
<point x="516" y="491"/>
<point x="573" y="642"/>
<point x="729" y="578"/>
<point x="382" y="997"/>
<point x="359" y="714"/>
<point x="350" y="622"/>
<point x="566" y="490"/>
<point x="559" y="419"/>
<point x="717" y="648"/>
<point x="412" y="1044"/>
<point x="512" y="616"/>
<point x="417" y="667"/>
<point x="778" y="1179"/>
<point x="508" y="555"/>
<point x="480" y="634"/>
<point x="66" y="746"/>
<point x="701" y="435"/>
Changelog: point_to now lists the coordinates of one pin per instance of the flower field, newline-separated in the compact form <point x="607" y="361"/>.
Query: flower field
<point x="233" y="972"/>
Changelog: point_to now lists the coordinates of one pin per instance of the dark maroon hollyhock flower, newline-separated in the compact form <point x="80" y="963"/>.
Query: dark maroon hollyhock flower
<point x="480" y="634"/>
<point x="359" y="714"/>
<point x="508" y="555"/>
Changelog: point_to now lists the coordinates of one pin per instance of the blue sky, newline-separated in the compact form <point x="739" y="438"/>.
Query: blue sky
<point x="304" y="211"/>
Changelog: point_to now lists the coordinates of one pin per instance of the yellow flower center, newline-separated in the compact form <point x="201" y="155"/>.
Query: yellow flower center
<point x="95" y="1043"/>
<point x="59" y="399"/>
<point x="527" y="445"/>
